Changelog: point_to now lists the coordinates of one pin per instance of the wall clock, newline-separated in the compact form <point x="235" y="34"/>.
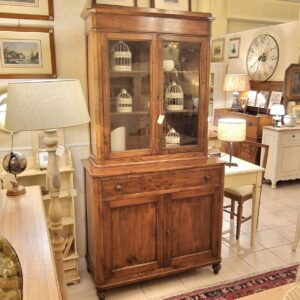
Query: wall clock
<point x="262" y="57"/>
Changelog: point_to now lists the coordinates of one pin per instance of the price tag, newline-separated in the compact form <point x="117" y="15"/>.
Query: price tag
<point x="60" y="150"/>
<point x="160" y="119"/>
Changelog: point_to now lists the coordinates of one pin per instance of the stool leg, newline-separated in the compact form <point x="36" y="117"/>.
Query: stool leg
<point x="297" y="232"/>
<point x="239" y="219"/>
<point x="232" y="209"/>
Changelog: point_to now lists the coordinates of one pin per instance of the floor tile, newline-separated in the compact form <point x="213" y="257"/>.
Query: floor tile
<point x="284" y="252"/>
<point x="126" y="293"/>
<point x="269" y="238"/>
<point x="235" y="267"/>
<point x="287" y="232"/>
<point x="262" y="260"/>
<point x="163" y="287"/>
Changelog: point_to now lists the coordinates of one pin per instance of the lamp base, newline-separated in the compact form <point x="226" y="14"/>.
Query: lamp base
<point x="231" y="164"/>
<point x="16" y="190"/>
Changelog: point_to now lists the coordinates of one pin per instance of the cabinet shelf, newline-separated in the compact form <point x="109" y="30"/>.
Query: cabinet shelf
<point x="37" y="172"/>
<point x="184" y="111"/>
<point x="117" y="74"/>
<point x="129" y="113"/>
<point x="62" y="194"/>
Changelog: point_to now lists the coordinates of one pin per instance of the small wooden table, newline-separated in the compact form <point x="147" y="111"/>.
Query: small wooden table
<point x="23" y="224"/>
<point x="245" y="173"/>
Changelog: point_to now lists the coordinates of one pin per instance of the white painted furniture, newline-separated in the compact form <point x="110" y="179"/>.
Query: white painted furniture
<point x="245" y="173"/>
<point x="284" y="150"/>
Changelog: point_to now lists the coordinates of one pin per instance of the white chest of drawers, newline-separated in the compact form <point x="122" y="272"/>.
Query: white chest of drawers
<point x="284" y="153"/>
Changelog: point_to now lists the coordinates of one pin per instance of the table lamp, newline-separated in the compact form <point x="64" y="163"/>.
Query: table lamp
<point x="277" y="111"/>
<point x="231" y="130"/>
<point x="48" y="105"/>
<point x="238" y="84"/>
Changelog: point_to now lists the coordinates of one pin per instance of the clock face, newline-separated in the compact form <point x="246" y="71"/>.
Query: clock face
<point x="262" y="57"/>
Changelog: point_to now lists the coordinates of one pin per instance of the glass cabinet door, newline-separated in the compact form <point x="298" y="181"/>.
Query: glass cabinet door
<point x="129" y="95"/>
<point x="180" y="99"/>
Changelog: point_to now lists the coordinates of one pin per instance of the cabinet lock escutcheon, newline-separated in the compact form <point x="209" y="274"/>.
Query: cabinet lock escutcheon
<point x="118" y="187"/>
<point x="206" y="177"/>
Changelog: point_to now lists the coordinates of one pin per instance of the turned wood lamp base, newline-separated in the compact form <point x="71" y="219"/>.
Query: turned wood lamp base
<point x="16" y="190"/>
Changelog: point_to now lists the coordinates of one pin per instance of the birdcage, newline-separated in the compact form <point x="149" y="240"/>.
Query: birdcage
<point x="121" y="57"/>
<point x="172" y="138"/>
<point x="174" y="97"/>
<point x="124" y="102"/>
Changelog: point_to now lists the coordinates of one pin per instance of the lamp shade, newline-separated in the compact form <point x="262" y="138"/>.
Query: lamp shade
<point x="236" y="83"/>
<point x="2" y="110"/>
<point x="277" y="110"/>
<point x="45" y="104"/>
<point x="232" y="130"/>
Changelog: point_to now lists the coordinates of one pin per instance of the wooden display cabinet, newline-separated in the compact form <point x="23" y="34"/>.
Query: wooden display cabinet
<point x="154" y="201"/>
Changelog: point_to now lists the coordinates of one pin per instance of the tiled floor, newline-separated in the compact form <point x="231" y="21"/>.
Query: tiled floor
<point x="278" y="214"/>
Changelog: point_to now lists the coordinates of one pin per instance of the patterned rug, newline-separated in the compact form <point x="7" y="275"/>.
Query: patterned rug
<point x="244" y="287"/>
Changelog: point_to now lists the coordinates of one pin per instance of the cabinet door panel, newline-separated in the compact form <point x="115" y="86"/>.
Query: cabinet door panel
<point x="288" y="162"/>
<point x="193" y="226"/>
<point x="133" y="230"/>
<point x="184" y="96"/>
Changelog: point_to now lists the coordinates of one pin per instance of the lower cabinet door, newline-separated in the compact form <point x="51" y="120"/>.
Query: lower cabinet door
<point x="133" y="236"/>
<point x="193" y="227"/>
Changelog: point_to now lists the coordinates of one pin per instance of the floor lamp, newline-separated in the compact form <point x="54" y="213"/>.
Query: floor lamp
<point x="231" y="130"/>
<point x="48" y="105"/>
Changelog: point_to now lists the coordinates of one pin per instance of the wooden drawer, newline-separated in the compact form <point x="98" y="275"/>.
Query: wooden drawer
<point x="71" y="275"/>
<point x="291" y="136"/>
<point x="162" y="181"/>
<point x="70" y="264"/>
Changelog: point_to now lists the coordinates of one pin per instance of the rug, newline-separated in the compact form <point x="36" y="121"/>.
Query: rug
<point x="244" y="287"/>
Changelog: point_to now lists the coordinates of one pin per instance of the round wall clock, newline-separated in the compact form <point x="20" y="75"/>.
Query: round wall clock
<point x="262" y="57"/>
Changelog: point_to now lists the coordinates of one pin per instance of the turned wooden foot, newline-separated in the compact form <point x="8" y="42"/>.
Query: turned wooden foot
<point x="216" y="268"/>
<point x="101" y="295"/>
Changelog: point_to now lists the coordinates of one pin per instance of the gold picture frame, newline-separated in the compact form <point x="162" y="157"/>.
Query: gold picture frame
<point x="217" y="49"/>
<point x="296" y="112"/>
<point x="292" y="82"/>
<point x="27" y="9"/>
<point x="27" y="52"/>
<point x="234" y="48"/>
<point x="117" y="2"/>
<point x="183" y="5"/>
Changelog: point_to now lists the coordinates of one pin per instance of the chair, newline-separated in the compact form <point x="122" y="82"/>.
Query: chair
<point x="250" y="152"/>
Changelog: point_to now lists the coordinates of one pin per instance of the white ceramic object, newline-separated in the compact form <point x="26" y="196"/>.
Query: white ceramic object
<point x="196" y="102"/>
<point x="168" y="65"/>
<point x="289" y="120"/>
<point x="118" y="139"/>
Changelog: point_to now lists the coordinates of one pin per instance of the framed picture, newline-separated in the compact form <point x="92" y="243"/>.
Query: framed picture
<point x="296" y="112"/>
<point x="292" y="82"/>
<point x="251" y="98"/>
<point x="275" y="98"/>
<point x="27" y="9"/>
<point x="234" y="48"/>
<point x="235" y="100"/>
<point x="27" y="53"/>
<point x="262" y="99"/>
<point x="217" y="49"/>
<point x="185" y="5"/>
<point x="116" y="2"/>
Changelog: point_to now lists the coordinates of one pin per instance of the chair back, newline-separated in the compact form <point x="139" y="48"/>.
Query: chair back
<point x="249" y="151"/>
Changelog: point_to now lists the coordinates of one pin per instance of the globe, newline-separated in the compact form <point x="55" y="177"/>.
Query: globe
<point x="14" y="163"/>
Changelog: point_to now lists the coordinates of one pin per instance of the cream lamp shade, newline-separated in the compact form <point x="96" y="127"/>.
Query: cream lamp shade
<point x="45" y="104"/>
<point x="232" y="130"/>
<point x="236" y="83"/>
<point x="277" y="110"/>
<point x="2" y="111"/>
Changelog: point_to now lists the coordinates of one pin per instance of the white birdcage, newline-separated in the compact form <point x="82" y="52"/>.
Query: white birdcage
<point x="172" y="138"/>
<point x="124" y="102"/>
<point x="121" y="57"/>
<point x="174" y="97"/>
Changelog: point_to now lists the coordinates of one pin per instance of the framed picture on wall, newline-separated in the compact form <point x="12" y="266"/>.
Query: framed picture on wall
<point x="184" y="5"/>
<point x="27" y="53"/>
<point x="292" y="82"/>
<point x="117" y="2"/>
<point x="27" y="9"/>
<point x="217" y="49"/>
<point x="275" y="98"/>
<point x="234" y="48"/>
<point x="296" y="112"/>
<point x="262" y="99"/>
<point x="251" y="98"/>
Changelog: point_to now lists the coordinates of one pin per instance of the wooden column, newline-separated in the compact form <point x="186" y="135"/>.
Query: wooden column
<point x="55" y="209"/>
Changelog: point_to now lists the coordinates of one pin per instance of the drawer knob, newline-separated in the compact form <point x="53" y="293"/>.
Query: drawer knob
<point x="293" y="135"/>
<point x="206" y="177"/>
<point x="118" y="187"/>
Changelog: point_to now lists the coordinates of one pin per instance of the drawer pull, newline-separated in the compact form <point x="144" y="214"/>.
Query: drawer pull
<point x="293" y="136"/>
<point x="118" y="187"/>
<point x="206" y="177"/>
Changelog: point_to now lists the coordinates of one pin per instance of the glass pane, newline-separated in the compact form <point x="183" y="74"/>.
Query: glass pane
<point x="129" y="95"/>
<point x="181" y="87"/>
